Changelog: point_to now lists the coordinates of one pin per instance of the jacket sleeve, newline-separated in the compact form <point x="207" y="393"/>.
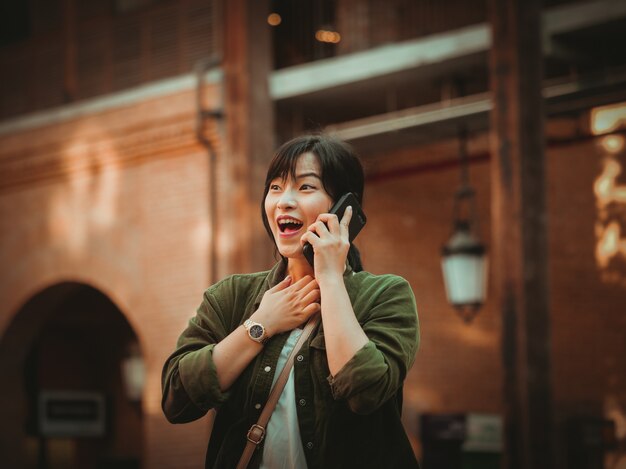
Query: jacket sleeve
<point x="189" y="378"/>
<point x="377" y="370"/>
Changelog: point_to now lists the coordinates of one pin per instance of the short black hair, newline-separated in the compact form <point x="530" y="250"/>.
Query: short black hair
<point x="342" y="172"/>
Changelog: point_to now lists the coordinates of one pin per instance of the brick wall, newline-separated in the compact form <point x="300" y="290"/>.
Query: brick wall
<point x="118" y="201"/>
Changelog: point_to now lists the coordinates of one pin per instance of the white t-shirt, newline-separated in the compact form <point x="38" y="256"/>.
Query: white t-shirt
<point x="283" y="447"/>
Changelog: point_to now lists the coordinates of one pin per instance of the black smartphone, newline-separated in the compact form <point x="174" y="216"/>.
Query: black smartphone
<point x="357" y="222"/>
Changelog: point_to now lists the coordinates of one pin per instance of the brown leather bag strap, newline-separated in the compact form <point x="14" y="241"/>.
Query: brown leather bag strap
<point x="257" y="431"/>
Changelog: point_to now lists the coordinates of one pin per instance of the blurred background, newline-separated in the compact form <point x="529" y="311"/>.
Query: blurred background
<point x="134" y="138"/>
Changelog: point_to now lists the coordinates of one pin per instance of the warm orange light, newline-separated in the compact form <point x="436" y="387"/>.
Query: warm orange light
<point x="274" y="19"/>
<point x="605" y="187"/>
<point x="608" y="230"/>
<point x="332" y="37"/>
<point x="610" y="243"/>
<point x="608" y="118"/>
<point x="612" y="143"/>
<point x="610" y="192"/>
<point x="86" y="206"/>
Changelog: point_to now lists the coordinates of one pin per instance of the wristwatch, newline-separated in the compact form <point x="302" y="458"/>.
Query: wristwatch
<point x="256" y="331"/>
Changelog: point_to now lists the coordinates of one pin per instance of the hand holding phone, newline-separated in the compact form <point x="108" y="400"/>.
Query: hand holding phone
<point x="357" y="222"/>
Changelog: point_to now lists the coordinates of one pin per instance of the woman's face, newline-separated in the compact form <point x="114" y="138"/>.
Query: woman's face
<point x="292" y="205"/>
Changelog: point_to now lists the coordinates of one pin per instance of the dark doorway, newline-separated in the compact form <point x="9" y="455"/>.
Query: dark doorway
<point x="69" y="408"/>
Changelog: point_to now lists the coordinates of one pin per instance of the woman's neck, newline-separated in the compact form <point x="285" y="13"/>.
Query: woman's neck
<point x="298" y="268"/>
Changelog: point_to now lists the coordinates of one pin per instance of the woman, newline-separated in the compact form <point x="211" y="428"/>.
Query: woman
<point x="341" y="406"/>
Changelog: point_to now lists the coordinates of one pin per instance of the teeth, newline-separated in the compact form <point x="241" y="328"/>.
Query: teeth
<point x="284" y="221"/>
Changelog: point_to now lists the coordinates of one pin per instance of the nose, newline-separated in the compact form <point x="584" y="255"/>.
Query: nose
<point x="286" y="200"/>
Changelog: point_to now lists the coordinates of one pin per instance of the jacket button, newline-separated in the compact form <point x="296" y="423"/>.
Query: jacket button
<point x="302" y="402"/>
<point x="299" y="358"/>
<point x="309" y="445"/>
<point x="268" y="369"/>
<point x="257" y="406"/>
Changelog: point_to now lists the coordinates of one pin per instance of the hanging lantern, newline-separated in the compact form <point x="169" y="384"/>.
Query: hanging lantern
<point x="464" y="260"/>
<point x="464" y="265"/>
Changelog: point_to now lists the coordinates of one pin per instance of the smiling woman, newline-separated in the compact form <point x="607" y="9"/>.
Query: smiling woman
<point x="331" y="163"/>
<point x="341" y="404"/>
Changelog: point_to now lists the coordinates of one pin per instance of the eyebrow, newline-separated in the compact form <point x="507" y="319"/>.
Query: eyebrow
<point x="304" y="175"/>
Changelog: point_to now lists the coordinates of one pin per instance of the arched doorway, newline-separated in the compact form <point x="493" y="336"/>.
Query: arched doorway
<point x="74" y="371"/>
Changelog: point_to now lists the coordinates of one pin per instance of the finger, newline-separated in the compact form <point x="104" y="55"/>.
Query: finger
<point x="331" y="221"/>
<point x="326" y="217"/>
<point x="309" y="237"/>
<point x="311" y="297"/>
<point x="300" y="284"/>
<point x="284" y="283"/>
<point x="309" y="287"/>
<point x="319" y="228"/>
<point x="311" y="309"/>
<point x="347" y="216"/>
<point x="345" y="221"/>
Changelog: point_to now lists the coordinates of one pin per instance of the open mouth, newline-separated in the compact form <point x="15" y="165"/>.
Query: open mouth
<point x="289" y="225"/>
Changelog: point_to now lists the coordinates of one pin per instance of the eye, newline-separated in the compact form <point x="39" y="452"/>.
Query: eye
<point x="307" y="187"/>
<point x="274" y="187"/>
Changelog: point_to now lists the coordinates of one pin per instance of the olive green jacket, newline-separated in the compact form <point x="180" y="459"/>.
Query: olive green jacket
<point x="349" y="420"/>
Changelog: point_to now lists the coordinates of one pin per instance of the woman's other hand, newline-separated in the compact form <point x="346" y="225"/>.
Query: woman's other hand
<point x="286" y="306"/>
<point x="331" y="241"/>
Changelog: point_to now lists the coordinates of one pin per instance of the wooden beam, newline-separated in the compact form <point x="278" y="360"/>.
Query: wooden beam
<point x="560" y="98"/>
<point x="248" y="61"/>
<point x="424" y="52"/>
<point x="519" y="251"/>
<point x="384" y="60"/>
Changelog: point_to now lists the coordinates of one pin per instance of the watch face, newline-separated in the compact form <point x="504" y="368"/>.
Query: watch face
<point x="256" y="331"/>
